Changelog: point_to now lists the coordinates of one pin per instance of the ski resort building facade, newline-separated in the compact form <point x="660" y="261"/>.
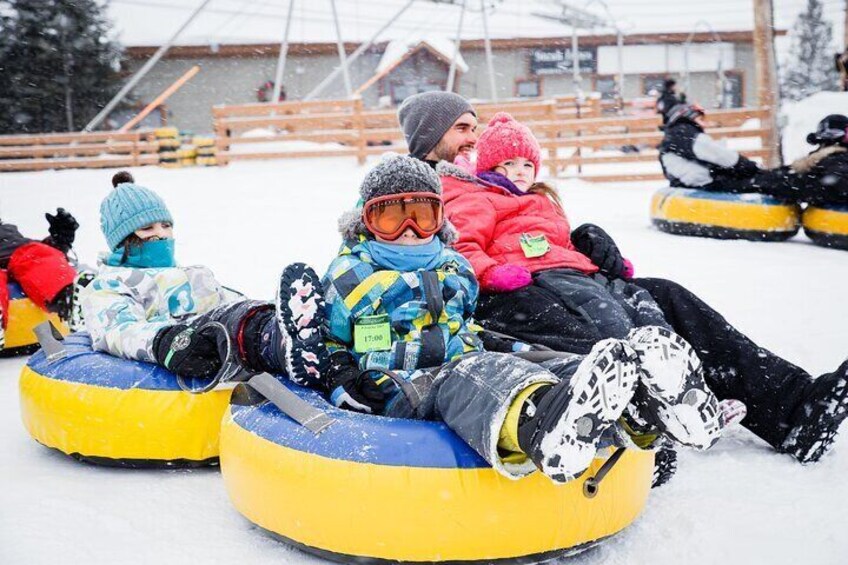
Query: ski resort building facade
<point x="388" y="72"/>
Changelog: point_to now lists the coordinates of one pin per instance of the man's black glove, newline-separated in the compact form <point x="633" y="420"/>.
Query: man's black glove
<point x="187" y="352"/>
<point x="349" y="391"/>
<point x="63" y="229"/>
<point x="599" y="247"/>
<point x="745" y="168"/>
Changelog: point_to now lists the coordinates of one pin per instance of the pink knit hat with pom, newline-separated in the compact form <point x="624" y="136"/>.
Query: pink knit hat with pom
<point x="504" y="139"/>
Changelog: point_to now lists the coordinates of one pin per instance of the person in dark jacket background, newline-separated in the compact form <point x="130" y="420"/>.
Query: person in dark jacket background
<point x="41" y="268"/>
<point x="692" y="159"/>
<point x="669" y="98"/>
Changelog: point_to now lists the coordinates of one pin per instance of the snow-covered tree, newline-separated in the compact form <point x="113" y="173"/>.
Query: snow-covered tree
<point x="58" y="67"/>
<point x="809" y="68"/>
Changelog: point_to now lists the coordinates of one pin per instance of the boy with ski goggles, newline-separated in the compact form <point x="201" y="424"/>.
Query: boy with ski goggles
<point x="390" y="216"/>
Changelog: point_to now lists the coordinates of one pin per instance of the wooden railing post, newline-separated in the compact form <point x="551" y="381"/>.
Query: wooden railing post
<point x="359" y="126"/>
<point x="222" y="139"/>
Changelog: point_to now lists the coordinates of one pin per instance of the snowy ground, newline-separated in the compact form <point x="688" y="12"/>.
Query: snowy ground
<point x="738" y="503"/>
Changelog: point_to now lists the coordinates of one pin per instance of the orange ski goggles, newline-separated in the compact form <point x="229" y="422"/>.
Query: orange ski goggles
<point x="390" y="216"/>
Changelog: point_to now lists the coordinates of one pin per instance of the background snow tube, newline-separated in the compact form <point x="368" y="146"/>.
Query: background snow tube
<point x="827" y="225"/>
<point x="375" y="490"/>
<point x="24" y="315"/>
<point x="107" y="410"/>
<point x="683" y="211"/>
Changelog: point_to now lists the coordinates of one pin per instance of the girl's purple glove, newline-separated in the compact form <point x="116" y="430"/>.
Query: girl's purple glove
<point x="505" y="278"/>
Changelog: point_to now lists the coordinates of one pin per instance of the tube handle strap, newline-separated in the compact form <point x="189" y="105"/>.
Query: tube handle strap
<point x="290" y="404"/>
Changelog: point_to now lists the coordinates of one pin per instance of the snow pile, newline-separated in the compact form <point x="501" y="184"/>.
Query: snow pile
<point x="800" y="118"/>
<point x="399" y="48"/>
<point x="737" y="503"/>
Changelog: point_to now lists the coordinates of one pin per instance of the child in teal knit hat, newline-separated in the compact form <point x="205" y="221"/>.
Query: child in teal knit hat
<point x="143" y="306"/>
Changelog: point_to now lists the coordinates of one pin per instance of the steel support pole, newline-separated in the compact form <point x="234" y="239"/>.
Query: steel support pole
<point x="489" y="59"/>
<point x="281" y="60"/>
<point x="452" y="71"/>
<point x="356" y="54"/>
<point x="342" y="54"/>
<point x="142" y="71"/>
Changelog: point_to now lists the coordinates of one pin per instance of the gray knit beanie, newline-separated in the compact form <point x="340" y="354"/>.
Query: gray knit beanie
<point x="425" y="117"/>
<point x="395" y="174"/>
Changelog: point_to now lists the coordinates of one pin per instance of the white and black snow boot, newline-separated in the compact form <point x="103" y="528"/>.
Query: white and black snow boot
<point x="562" y="423"/>
<point x="818" y="418"/>
<point x="672" y="394"/>
<point x="76" y="322"/>
<point x="665" y="466"/>
<point x="300" y="315"/>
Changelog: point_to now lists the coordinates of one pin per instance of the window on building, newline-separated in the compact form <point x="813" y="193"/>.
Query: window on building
<point x="528" y="88"/>
<point x="606" y="85"/>
<point x="402" y="90"/>
<point x="733" y="95"/>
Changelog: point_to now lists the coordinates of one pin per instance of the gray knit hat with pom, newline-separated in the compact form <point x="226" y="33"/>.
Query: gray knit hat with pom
<point x="395" y="174"/>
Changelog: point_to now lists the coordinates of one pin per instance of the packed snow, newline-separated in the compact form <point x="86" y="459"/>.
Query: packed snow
<point x="737" y="503"/>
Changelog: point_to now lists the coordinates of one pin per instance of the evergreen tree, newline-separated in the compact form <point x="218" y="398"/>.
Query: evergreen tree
<point x="809" y="68"/>
<point x="58" y="67"/>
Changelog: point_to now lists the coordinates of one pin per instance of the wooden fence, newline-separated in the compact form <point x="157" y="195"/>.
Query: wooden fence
<point x="77" y="150"/>
<point x="346" y="128"/>
<point x="576" y="139"/>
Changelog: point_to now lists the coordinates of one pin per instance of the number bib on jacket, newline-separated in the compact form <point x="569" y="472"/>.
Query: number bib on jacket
<point x="372" y="333"/>
<point x="534" y="246"/>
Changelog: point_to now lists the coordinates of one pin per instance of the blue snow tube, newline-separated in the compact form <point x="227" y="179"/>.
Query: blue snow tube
<point x="827" y="225"/>
<point x="372" y="489"/>
<point x="103" y="409"/>
<point x="24" y="315"/>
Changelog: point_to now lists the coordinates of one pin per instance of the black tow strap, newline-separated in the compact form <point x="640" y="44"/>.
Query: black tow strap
<point x="432" y="352"/>
<point x="592" y="485"/>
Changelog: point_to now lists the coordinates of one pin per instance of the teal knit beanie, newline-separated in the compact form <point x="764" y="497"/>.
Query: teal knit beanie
<point x="129" y="207"/>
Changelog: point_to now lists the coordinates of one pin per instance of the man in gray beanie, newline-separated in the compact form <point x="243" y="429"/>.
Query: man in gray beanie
<point x="438" y="126"/>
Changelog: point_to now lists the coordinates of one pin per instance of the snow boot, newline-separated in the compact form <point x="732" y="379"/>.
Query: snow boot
<point x="665" y="466"/>
<point x="818" y="417"/>
<point x="672" y="394"/>
<point x="300" y="315"/>
<point x="84" y="278"/>
<point x="561" y="424"/>
<point x="62" y="303"/>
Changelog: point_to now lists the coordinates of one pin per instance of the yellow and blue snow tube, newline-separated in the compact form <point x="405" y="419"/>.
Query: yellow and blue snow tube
<point x="376" y="490"/>
<point x="24" y="315"/>
<point x="722" y="215"/>
<point x="827" y="225"/>
<point x="102" y="409"/>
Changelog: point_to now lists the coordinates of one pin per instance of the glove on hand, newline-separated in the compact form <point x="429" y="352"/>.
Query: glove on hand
<point x="505" y="278"/>
<point x="187" y="352"/>
<point x="350" y="392"/>
<point x="63" y="229"/>
<point x="599" y="247"/>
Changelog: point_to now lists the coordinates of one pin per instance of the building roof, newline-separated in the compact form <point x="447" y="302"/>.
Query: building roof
<point x="139" y="23"/>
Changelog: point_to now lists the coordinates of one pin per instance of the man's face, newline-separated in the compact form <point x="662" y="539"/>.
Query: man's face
<point x="459" y="139"/>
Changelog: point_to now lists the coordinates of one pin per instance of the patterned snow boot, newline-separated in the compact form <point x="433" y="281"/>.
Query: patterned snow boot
<point x="561" y="424"/>
<point x="672" y="394"/>
<point x="76" y="322"/>
<point x="818" y="418"/>
<point x="300" y="315"/>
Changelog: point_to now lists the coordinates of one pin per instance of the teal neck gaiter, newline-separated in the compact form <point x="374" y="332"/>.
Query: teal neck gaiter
<point x="157" y="254"/>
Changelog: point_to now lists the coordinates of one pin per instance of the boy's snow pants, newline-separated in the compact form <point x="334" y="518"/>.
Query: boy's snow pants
<point x="41" y="270"/>
<point x="473" y="394"/>
<point x="566" y="310"/>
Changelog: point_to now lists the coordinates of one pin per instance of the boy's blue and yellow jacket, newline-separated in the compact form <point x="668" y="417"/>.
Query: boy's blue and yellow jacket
<point x="429" y="311"/>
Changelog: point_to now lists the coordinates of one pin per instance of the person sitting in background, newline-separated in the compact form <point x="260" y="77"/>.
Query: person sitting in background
<point x="669" y="98"/>
<point x="692" y="159"/>
<point x="41" y="268"/>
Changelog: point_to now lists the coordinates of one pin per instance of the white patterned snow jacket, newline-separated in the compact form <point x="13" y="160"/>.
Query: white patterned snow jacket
<point x="125" y="307"/>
